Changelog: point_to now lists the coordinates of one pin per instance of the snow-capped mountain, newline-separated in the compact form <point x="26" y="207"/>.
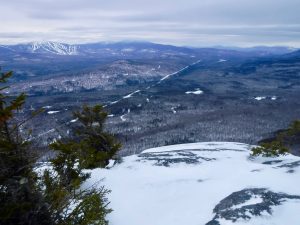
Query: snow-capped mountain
<point x="102" y="49"/>
<point x="52" y="47"/>
<point x="42" y="48"/>
<point x="212" y="183"/>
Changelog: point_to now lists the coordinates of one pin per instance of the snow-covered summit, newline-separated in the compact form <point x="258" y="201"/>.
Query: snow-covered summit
<point x="52" y="47"/>
<point x="211" y="183"/>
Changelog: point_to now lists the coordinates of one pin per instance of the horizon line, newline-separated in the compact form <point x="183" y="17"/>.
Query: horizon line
<point x="150" y="42"/>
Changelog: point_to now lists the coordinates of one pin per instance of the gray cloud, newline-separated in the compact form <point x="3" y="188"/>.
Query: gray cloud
<point x="181" y="22"/>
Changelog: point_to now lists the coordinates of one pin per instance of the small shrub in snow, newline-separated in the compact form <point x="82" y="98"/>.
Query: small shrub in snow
<point x="279" y="145"/>
<point x="271" y="149"/>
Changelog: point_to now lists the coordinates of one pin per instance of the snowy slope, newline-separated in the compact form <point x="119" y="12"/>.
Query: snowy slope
<point x="48" y="47"/>
<point x="209" y="183"/>
<point x="53" y="47"/>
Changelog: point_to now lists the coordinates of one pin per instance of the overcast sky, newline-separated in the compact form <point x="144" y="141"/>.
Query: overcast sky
<point x="179" y="22"/>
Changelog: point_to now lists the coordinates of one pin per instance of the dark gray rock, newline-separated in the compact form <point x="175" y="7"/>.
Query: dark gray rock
<point x="174" y="157"/>
<point x="272" y="162"/>
<point x="290" y="165"/>
<point x="213" y="222"/>
<point x="232" y="207"/>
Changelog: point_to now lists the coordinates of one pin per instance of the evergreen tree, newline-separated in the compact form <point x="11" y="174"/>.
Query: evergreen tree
<point x="70" y="205"/>
<point x="66" y="164"/>
<point x="90" y="147"/>
<point x="21" y="201"/>
<point x="57" y="197"/>
<point x="279" y="146"/>
<point x="97" y="145"/>
<point x="292" y="131"/>
<point x="91" y="144"/>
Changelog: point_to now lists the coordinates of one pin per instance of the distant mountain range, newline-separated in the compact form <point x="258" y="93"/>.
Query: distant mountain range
<point x="294" y="54"/>
<point x="89" y="49"/>
<point x="120" y="48"/>
<point x="263" y="50"/>
<point x="122" y="62"/>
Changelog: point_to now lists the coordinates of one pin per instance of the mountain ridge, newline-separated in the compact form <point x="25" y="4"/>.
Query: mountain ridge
<point x="60" y="48"/>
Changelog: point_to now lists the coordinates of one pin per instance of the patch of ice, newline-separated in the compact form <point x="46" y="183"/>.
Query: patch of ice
<point x="123" y="117"/>
<point x="74" y="120"/>
<point x="47" y="107"/>
<point x="259" y="98"/>
<point x="173" y="110"/>
<point x="197" y="92"/>
<point x="53" y="112"/>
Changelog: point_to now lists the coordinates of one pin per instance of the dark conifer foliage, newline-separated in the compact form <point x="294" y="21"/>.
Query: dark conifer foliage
<point x="89" y="148"/>
<point x="270" y="149"/>
<point x="20" y="196"/>
<point x="70" y="205"/>
<point x="53" y="195"/>
<point x="280" y="144"/>
<point x="91" y="144"/>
